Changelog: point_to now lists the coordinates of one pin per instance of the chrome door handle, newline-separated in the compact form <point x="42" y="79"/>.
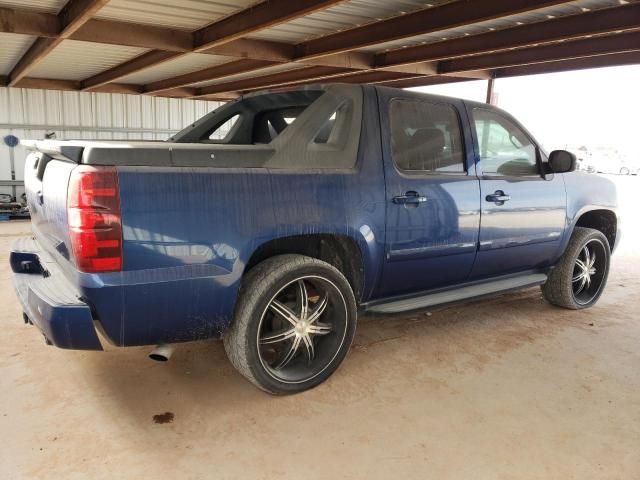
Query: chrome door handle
<point x="498" y="197"/>
<point x="410" y="198"/>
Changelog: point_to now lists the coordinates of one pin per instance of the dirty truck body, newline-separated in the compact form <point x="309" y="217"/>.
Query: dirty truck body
<point x="415" y="200"/>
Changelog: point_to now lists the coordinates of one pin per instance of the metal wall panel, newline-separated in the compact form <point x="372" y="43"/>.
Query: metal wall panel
<point x="30" y="113"/>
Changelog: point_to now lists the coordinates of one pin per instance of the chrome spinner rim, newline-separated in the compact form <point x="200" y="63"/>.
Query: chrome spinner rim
<point x="302" y="329"/>
<point x="589" y="271"/>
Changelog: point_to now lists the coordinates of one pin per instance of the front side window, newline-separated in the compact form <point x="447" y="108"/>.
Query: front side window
<point x="504" y="148"/>
<point x="426" y="137"/>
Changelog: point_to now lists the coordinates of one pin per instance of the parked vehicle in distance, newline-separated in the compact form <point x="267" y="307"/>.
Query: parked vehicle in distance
<point x="274" y="220"/>
<point x="610" y="161"/>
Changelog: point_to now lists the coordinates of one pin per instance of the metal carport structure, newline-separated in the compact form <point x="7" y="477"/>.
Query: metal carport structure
<point x="208" y="49"/>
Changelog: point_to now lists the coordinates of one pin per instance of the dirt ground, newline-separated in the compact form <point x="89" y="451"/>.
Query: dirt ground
<point x="498" y="389"/>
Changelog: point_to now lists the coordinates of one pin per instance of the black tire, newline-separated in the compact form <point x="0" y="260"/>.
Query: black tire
<point x="562" y="288"/>
<point x="249" y="344"/>
<point x="624" y="171"/>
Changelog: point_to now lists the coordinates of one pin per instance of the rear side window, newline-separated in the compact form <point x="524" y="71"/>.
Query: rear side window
<point x="426" y="137"/>
<point x="504" y="148"/>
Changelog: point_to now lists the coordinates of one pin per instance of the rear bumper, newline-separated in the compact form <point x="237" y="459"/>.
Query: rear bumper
<point x="49" y="300"/>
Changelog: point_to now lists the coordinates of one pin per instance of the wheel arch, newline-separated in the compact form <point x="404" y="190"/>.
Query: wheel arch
<point x="341" y="251"/>
<point x="601" y="219"/>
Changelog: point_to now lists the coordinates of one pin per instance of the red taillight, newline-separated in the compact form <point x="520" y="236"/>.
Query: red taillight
<point x="93" y="209"/>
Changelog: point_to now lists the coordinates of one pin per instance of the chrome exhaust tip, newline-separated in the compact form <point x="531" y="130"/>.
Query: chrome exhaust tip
<point x="162" y="353"/>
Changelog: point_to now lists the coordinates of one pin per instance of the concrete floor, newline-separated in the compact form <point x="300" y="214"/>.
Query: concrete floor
<point x="498" y="389"/>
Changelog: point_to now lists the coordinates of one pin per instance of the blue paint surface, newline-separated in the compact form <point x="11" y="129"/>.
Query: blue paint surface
<point x="189" y="232"/>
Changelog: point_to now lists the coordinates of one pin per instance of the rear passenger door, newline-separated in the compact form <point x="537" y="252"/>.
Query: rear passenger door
<point x="523" y="210"/>
<point x="432" y="194"/>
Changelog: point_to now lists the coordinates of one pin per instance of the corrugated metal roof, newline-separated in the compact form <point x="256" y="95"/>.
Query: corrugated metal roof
<point x="497" y="24"/>
<point x="49" y="6"/>
<point x="341" y="17"/>
<point x="186" y="14"/>
<point x="188" y="63"/>
<point x="13" y="47"/>
<point x="75" y="60"/>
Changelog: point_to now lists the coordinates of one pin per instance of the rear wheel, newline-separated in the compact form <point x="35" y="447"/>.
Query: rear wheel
<point x="294" y="323"/>
<point x="579" y="278"/>
<point x="624" y="171"/>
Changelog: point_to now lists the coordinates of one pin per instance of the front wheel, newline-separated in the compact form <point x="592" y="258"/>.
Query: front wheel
<point x="293" y="325"/>
<point x="579" y="278"/>
<point x="624" y="171"/>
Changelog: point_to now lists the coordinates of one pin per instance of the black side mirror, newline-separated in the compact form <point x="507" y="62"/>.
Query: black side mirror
<point x="561" y="161"/>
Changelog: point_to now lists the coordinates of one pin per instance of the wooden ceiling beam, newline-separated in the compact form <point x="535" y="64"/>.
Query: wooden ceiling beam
<point x="255" y="50"/>
<point x="76" y="13"/>
<point x="600" y="61"/>
<point x="72" y="16"/>
<point x="47" y="84"/>
<point x="423" y="81"/>
<point x="603" y="45"/>
<point x="255" y="18"/>
<point x="223" y="97"/>
<point x="375" y="76"/>
<point x="75" y="86"/>
<point x="605" y="60"/>
<point x="273" y="80"/>
<point x="146" y="60"/>
<point x="611" y="60"/>
<point x="407" y="65"/>
<point x="134" y="35"/>
<point x="472" y="75"/>
<point x="211" y="73"/>
<point x="214" y="37"/>
<point x="428" y="20"/>
<point x="613" y="19"/>
<point x="26" y="22"/>
<point x="473" y="68"/>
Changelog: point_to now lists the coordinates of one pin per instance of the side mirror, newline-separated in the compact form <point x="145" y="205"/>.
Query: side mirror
<point x="561" y="161"/>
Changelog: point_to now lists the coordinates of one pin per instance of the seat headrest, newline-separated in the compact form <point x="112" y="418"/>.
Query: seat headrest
<point x="428" y="138"/>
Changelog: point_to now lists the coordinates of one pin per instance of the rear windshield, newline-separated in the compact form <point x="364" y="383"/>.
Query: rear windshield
<point x="253" y="120"/>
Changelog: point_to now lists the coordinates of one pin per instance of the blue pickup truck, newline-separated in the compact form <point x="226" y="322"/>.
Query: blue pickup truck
<point x="273" y="221"/>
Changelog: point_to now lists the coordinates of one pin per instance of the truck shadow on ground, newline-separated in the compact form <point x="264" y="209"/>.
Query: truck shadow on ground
<point x="199" y="385"/>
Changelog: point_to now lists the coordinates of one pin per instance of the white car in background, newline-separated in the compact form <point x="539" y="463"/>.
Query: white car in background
<point x="616" y="164"/>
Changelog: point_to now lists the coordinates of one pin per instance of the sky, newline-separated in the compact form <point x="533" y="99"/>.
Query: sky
<point x="597" y="108"/>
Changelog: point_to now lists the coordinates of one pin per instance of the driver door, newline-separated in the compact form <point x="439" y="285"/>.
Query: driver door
<point x="523" y="212"/>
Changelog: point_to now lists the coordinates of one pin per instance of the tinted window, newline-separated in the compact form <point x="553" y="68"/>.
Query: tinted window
<point x="504" y="148"/>
<point x="426" y="137"/>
